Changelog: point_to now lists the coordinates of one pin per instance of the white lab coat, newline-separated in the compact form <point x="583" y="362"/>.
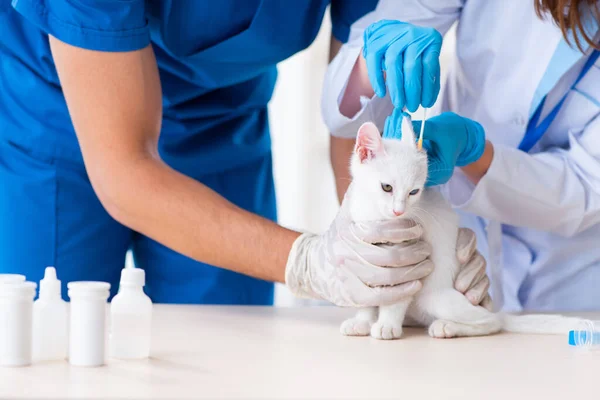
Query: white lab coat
<point x="537" y="215"/>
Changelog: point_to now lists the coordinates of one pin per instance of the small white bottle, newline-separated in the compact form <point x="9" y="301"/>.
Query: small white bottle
<point x="16" y="312"/>
<point x="87" y="323"/>
<point x="50" y="320"/>
<point x="131" y="317"/>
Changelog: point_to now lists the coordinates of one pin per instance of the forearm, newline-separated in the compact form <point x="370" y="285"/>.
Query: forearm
<point x="340" y="152"/>
<point x="358" y="87"/>
<point x="476" y="171"/>
<point x="340" y="149"/>
<point x="115" y="103"/>
<point x="191" y="219"/>
<point x="547" y="191"/>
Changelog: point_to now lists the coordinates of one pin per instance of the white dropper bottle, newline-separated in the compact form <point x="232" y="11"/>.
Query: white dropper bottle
<point x="50" y="320"/>
<point x="131" y="317"/>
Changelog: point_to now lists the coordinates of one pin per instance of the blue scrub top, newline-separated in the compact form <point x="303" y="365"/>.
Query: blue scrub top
<point x="217" y="63"/>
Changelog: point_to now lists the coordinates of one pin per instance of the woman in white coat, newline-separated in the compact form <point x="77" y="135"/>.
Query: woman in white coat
<point x="526" y="71"/>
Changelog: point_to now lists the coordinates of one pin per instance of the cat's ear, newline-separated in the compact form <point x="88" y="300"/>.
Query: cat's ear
<point x="408" y="132"/>
<point x="368" y="142"/>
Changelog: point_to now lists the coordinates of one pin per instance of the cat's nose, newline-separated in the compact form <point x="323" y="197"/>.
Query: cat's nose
<point x="398" y="213"/>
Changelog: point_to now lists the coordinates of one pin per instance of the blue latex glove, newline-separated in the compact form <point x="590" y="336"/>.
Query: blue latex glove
<point x="409" y="55"/>
<point x="451" y="141"/>
<point x="393" y="124"/>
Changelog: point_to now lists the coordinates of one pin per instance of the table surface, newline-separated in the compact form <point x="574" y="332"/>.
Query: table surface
<point x="276" y="353"/>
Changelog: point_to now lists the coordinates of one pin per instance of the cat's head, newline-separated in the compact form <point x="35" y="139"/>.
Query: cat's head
<point x="388" y="174"/>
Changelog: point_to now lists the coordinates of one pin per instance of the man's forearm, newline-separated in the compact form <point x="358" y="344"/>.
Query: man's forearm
<point x="190" y="218"/>
<point x="114" y="101"/>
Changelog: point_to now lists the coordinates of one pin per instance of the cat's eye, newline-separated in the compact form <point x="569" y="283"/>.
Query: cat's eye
<point x="414" y="192"/>
<point x="386" y="188"/>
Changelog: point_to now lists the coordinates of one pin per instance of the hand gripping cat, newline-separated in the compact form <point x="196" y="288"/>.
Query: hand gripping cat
<point x="389" y="183"/>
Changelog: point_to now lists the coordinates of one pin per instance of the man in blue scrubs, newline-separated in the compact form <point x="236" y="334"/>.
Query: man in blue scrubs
<point x="164" y="149"/>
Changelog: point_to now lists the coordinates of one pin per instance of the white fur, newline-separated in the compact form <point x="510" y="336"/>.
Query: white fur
<point x="446" y="311"/>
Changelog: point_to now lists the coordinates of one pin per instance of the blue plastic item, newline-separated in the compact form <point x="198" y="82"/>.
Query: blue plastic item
<point x="585" y="335"/>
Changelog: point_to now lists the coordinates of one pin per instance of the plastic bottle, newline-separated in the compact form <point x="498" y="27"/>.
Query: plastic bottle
<point x="50" y="320"/>
<point x="16" y="312"/>
<point x="586" y="335"/>
<point x="131" y="317"/>
<point x="87" y="323"/>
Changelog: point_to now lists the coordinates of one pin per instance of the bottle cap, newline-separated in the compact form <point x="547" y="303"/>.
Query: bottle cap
<point x="50" y="284"/>
<point x="572" y="337"/>
<point x="18" y="289"/>
<point x="133" y="276"/>
<point x="11" y="278"/>
<point x="89" y="289"/>
<point x="584" y="338"/>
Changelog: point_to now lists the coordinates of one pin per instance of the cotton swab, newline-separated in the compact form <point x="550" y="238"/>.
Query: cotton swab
<point x="420" y="141"/>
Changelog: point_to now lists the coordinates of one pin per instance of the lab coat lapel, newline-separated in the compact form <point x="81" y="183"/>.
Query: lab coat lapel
<point x="565" y="56"/>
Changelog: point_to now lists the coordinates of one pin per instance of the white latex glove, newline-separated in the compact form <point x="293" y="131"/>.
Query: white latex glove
<point x="472" y="279"/>
<point x="342" y="265"/>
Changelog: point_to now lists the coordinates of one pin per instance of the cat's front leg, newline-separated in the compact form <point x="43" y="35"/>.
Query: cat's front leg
<point x="389" y="323"/>
<point x="360" y="324"/>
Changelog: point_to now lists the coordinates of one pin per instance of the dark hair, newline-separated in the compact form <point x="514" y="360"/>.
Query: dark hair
<point x="569" y="15"/>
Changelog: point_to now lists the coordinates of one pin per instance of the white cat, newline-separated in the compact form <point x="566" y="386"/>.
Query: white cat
<point x="388" y="182"/>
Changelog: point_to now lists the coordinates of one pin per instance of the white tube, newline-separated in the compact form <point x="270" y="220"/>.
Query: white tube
<point x="16" y="310"/>
<point x="88" y="325"/>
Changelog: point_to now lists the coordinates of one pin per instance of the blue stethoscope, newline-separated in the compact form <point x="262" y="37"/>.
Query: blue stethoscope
<point x="534" y="130"/>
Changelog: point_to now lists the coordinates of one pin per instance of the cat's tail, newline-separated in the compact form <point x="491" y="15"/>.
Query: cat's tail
<point x="540" y="324"/>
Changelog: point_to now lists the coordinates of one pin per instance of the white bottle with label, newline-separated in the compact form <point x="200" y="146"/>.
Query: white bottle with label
<point x="131" y="317"/>
<point x="50" y="321"/>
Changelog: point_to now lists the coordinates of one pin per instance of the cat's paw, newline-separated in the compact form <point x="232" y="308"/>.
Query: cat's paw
<point x="386" y="331"/>
<point x="356" y="327"/>
<point x="443" y="329"/>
